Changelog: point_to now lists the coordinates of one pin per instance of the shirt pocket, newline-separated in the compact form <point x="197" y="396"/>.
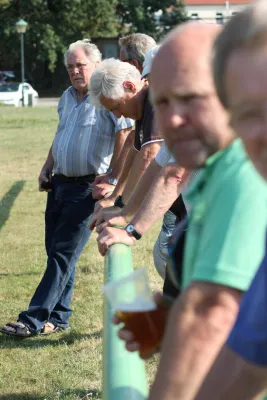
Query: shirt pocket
<point x="88" y="120"/>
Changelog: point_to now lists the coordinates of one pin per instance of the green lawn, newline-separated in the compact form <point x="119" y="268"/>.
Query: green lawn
<point x="62" y="366"/>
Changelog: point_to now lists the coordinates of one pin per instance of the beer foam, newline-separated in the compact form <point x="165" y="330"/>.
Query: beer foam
<point x="138" y="305"/>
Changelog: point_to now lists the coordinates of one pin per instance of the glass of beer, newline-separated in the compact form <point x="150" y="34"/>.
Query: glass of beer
<point x="133" y="303"/>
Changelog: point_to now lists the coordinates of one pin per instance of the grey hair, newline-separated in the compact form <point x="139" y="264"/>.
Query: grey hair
<point x="108" y="78"/>
<point x="136" y="45"/>
<point x="246" y="29"/>
<point x="91" y="50"/>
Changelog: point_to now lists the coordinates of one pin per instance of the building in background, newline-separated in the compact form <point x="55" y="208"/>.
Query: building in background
<point x="214" y="11"/>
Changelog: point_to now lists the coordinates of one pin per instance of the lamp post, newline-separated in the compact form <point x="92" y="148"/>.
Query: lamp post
<point x="21" y="27"/>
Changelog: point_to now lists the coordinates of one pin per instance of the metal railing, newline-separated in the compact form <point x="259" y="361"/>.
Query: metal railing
<point x="124" y="376"/>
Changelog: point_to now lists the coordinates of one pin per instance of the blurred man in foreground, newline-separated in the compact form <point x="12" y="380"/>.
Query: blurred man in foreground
<point x="220" y="221"/>
<point x="240" y="372"/>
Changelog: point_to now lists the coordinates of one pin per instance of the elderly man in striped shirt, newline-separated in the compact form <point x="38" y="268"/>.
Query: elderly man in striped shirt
<point x="83" y="146"/>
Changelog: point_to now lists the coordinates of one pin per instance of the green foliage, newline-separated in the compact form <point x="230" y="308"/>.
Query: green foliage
<point x="154" y="17"/>
<point x="53" y="24"/>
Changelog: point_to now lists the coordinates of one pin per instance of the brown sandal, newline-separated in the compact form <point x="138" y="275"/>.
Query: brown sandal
<point x="49" y="328"/>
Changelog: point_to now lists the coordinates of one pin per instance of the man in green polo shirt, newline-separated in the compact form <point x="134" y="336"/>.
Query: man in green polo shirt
<point x="225" y="237"/>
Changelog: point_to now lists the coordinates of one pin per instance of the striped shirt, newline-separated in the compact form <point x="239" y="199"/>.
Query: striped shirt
<point x="85" y="137"/>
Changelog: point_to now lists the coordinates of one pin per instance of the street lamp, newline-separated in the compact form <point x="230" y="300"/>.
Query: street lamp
<point x="21" y="27"/>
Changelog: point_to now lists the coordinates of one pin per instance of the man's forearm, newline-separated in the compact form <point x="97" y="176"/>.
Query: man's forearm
<point x="118" y="168"/>
<point x="164" y="190"/>
<point x="233" y="378"/>
<point x="141" y="163"/>
<point x="49" y="163"/>
<point x="141" y="189"/>
<point x="195" y="333"/>
<point x="125" y="173"/>
<point x="121" y="137"/>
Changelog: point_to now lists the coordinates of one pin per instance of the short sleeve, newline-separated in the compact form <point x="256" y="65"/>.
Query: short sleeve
<point x="237" y="215"/>
<point x="146" y="128"/>
<point x="121" y="123"/>
<point x="249" y="335"/>
<point x="164" y="156"/>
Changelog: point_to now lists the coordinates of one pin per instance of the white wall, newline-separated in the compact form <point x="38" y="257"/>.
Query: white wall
<point x="208" y="12"/>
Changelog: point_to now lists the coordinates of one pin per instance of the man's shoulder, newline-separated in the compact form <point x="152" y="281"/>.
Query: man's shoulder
<point x="235" y="170"/>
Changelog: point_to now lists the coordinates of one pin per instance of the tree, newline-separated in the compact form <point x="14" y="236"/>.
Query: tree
<point x="53" y="24"/>
<point x="153" y="17"/>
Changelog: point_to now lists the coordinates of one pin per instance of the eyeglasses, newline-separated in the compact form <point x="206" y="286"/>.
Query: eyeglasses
<point x="79" y="66"/>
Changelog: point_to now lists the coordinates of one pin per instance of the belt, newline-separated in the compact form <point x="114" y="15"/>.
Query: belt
<point x="85" y="178"/>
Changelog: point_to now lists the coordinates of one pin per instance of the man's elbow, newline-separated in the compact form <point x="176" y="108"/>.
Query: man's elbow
<point x="172" y="173"/>
<point x="129" y="142"/>
<point x="217" y="304"/>
<point x="149" y="152"/>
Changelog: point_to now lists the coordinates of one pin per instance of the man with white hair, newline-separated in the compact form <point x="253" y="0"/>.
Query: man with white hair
<point x="133" y="49"/>
<point x="82" y="148"/>
<point x="119" y="88"/>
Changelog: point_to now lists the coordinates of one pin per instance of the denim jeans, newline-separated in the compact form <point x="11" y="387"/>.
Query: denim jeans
<point x="69" y="208"/>
<point x="160" y="250"/>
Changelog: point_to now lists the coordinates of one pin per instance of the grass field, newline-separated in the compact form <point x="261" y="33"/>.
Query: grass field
<point x="62" y="366"/>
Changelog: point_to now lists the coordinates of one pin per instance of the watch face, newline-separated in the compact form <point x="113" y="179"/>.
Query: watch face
<point x="130" y="228"/>
<point x="112" y="181"/>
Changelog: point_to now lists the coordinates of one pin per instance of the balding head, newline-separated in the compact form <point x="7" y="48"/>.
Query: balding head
<point x="183" y="93"/>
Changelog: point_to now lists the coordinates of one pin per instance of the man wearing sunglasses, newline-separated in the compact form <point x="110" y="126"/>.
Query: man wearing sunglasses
<point x="87" y="142"/>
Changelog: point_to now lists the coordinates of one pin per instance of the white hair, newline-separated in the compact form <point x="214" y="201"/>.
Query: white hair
<point x="90" y="50"/>
<point x="108" y="79"/>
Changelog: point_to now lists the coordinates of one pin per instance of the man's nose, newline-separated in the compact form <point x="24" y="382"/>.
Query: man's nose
<point x="176" y="115"/>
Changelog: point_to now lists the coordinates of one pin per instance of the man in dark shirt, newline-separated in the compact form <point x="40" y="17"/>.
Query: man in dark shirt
<point x="119" y="88"/>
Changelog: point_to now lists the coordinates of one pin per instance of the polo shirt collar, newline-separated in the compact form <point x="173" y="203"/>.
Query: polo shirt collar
<point x="201" y="180"/>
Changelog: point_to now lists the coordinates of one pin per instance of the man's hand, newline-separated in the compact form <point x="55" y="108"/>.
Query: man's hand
<point x="104" y="203"/>
<point x="127" y="336"/>
<point x="45" y="176"/>
<point x="111" y="217"/>
<point x="101" y="190"/>
<point x="103" y="178"/>
<point x="110" y="236"/>
<point x="99" y="216"/>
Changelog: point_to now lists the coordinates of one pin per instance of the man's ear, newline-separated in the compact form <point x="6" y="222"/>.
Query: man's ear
<point x="128" y="85"/>
<point x="137" y="65"/>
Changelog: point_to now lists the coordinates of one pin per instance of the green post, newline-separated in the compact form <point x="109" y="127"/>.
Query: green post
<point x="124" y="376"/>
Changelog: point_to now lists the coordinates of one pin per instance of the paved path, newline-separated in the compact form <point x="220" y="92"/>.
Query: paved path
<point x="48" y="102"/>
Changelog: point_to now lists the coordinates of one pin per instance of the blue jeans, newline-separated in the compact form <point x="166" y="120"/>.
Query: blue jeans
<point x="68" y="210"/>
<point x="160" y="250"/>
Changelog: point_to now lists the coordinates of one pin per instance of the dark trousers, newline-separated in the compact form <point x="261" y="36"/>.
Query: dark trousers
<point x="68" y="210"/>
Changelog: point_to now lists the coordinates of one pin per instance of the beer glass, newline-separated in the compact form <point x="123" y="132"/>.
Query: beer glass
<point x="133" y="303"/>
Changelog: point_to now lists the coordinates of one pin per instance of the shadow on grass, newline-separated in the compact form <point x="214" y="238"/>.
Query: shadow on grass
<point x="81" y="394"/>
<point x="22" y="274"/>
<point x="8" y="200"/>
<point x="59" y="339"/>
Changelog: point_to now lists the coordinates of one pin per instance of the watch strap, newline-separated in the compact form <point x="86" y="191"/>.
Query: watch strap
<point x="131" y="230"/>
<point x="118" y="202"/>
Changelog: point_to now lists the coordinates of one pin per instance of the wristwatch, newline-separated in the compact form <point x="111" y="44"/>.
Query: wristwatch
<point x="131" y="230"/>
<point x="119" y="202"/>
<point x="112" y="181"/>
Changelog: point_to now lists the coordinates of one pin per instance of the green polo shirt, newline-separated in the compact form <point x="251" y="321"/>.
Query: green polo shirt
<point x="227" y="222"/>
